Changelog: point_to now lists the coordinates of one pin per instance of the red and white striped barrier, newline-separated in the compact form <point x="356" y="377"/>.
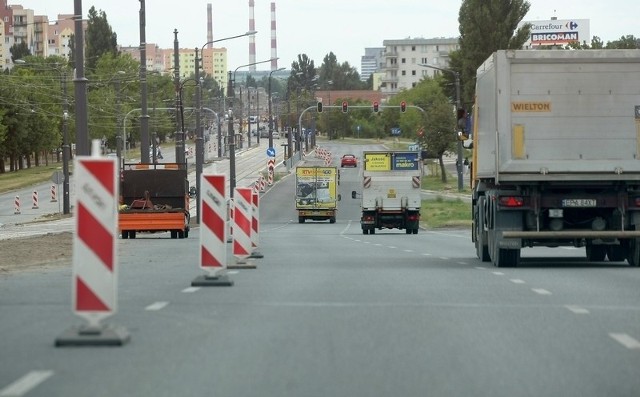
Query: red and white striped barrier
<point x="242" y="208"/>
<point x="263" y="183"/>
<point x="16" y="205"/>
<point x="95" y="260"/>
<point x="54" y="195"/>
<point x="255" y="225"/>
<point x="271" y="164"/>
<point x="213" y="231"/>
<point x="34" y="196"/>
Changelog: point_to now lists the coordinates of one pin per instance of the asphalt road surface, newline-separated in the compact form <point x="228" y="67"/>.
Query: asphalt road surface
<point x="332" y="312"/>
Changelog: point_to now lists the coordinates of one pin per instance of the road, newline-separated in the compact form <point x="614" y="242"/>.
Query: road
<point x="332" y="312"/>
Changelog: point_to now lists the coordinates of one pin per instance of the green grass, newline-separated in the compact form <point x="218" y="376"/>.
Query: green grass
<point x="27" y="177"/>
<point x="443" y="212"/>
<point x="434" y="182"/>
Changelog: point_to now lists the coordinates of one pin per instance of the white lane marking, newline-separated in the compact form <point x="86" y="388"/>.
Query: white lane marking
<point x="367" y="242"/>
<point x="232" y="272"/>
<point x="156" y="306"/>
<point x="448" y="234"/>
<point x="498" y="273"/>
<point x="481" y="268"/>
<point x="444" y="258"/>
<point x="462" y="263"/>
<point x="517" y="281"/>
<point x="190" y="290"/>
<point x="25" y="384"/>
<point x="356" y="240"/>
<point x="408" y="250"/>
<point x="625" y="340"/>
<point x="577" y="309"/>
<point x="426" y="254"/>
<point x="378" y="244"/>
<point x="391" y="246"/>
<point x="541" y="291"/>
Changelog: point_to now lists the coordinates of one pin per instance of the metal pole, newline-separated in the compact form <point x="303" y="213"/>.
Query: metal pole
<point x="257" y="117"/>
<point x="458" y="107"/>
<point x="270" y="117"/>
<point x="199" y="136"/>
<point x="222" y="111"/>
<point x="144" y="117"/>
<point x="118" y="122"/>
<point x="176" y="81"/>
<point x="65" y="149"/>
<point x="232" y="149"/>
<point x="82" y="125"/>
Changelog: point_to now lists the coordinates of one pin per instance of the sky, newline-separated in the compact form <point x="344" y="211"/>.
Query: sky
<point x="316" y="28"/>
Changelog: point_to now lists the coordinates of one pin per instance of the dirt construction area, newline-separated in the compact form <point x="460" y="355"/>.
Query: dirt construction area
<point x="36" y="253"/>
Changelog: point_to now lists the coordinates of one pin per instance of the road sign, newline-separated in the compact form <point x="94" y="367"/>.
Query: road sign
<point x="57" y="177"/>
<point x="271" y="152"/>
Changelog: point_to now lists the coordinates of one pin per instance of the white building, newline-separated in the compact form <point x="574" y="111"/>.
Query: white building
<point x="403" y="58"/>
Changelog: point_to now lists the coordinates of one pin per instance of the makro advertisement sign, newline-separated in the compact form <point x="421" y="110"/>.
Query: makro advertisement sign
<point x="391" y="161"/>
<point x="558" y="32"/>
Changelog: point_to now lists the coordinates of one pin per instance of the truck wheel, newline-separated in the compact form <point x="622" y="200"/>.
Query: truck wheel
<point x="596" y="253"/>
<point x="415" y="231"/>
<point x="174" y="234"/>
<point x="332" y="220"/>
<point x="125" y="234"/>
<point x="132" y="234"/>
<point x="186" y="233"/>
<point x="372" y="231"/>
<point x="180" y="234"/>
<point x="365" y="231"/>
<point x="300" y="219"/>
<point x="633" y="252"/>
<point x="616" y="253"/>
<point x="507" y="257"/>
<point x="408" y="231"/>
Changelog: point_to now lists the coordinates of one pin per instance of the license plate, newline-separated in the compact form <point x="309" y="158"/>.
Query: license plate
<point x="579" y="202"/>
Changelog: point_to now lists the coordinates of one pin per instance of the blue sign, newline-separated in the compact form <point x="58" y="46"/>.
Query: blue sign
<point x="396" y="131"/>
<point x="271" y="152"/>
<point x="405" y="161"/>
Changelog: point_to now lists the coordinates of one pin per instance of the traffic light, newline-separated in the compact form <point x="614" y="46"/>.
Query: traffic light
<point x="319" y="107"/>
<point x="345" y="107"/>
<point x="375" y="107"/>
<point x="403" y="106"/>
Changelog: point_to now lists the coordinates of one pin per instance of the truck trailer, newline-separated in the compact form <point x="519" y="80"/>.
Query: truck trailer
<point x="556" y="154"/>
<point x="154" y="198"/>
<point x="391" y="191"/>
<point x="317" y="193"/>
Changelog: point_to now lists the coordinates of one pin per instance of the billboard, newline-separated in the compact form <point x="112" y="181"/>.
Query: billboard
<point x="558" y="32"/>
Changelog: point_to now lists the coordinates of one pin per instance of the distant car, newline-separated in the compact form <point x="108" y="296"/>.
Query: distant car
<point x="349" y="160"/>
<point x="276" y="135"/>
<point x="264" y="134"/>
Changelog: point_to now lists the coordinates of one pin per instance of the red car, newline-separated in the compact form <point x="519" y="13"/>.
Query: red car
<point x="349" y="160"/>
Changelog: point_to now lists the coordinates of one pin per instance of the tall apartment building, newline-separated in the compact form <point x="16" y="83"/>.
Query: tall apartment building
<point x="403" y="57"/>
<point x="60" y="32"/>
<point x="371" y="62"/>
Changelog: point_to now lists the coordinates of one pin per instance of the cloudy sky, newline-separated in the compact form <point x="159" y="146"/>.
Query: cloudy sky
<point x="315" y="28"/>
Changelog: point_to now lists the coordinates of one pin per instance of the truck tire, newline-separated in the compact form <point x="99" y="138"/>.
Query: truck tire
<point x="186" y="233"/>
<point x="132" y="234"/>
<point x="482" y="247"/>
<point x="332" y="220"/>
<point x="180" y="234"/>
<point x="372" y="231"/>
<point x="301" y="219"/>
<point x="174" y="234"/>
<point x="125" y="234"/>
<point x="415" y="231"/>
<point x="507" y="257"/>
<point x="616" y="253"/>
<point x="408" y="231"/>
<point x="633" y="252"/>
<point x="596" y="253"/>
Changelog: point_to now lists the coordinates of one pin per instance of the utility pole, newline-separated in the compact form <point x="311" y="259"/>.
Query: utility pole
<point x="82" y="124"/>
<point x="176" y="81"/>
<point x="144" y="117"/>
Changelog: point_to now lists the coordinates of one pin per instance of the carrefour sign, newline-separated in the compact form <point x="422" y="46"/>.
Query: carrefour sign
<point x="558" y="32"/>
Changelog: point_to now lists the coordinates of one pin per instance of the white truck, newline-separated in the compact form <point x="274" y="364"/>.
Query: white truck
<point x="556" y="158"/>
<point x="391" y="185"/>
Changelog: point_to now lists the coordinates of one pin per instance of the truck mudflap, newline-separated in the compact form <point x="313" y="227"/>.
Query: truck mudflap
<point x="570" y="234"/>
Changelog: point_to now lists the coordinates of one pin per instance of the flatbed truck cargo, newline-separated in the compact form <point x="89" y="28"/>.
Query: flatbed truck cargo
<point x="556" y="154"/>
<point x="391" y="191"/>
<point x="154" y="198"/>
<point x="317" y="193"/>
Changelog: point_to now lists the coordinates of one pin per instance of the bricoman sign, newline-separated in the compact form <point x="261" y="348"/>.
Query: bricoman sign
<point x="558" y="32"/>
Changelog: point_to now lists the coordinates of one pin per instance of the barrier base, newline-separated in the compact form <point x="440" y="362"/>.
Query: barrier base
<point x="242" y="264"/>
<point x="256" y="254"/>
<point x="104" y="335"/>
<point x="212" y="281"/>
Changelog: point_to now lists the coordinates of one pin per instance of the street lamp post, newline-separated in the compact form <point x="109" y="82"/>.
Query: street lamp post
<point x="199" y="132"/>
<point x="270" y="116"/>
<point x="232" y="149"/>
<point x="458" y="107"/>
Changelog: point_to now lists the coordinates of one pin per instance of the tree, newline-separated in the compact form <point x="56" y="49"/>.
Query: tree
<point x="100" y="38"/>
<point x="342" y="76"/>
<point x="485" y="27"/>
<point x="19" y="51"/>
